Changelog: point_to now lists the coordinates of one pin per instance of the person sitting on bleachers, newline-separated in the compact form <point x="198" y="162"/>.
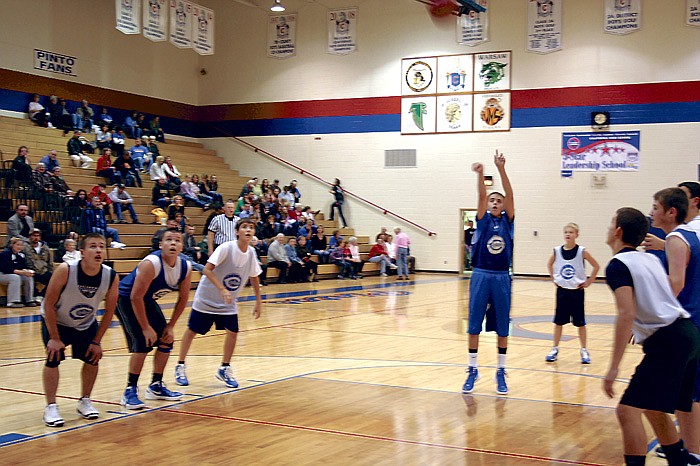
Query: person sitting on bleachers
<point x="307" y="230"/>
<point x="379" y="253"/>
<point x="335" y="240"/>
<point x="72" y="255"/>
<point x="39" y="259"/>
<point x="355" y="259"/>
<point x="157" y="170"/>
<point x="271" y="228"/>
<point x="172" y="172"/>
<point x="143" y="124"/>
<point x="319" y="245"/>
<point x="340" y="256"/>
<point x="50" y="161"/>
<point x="20" y="224"/>
<point x="122" y="200"/>
<point x="106" y="119"/>
<point x="41" y="181"/>
<point x="289" y="225"/>
<point x="160" y="195"/>
<point x="83" y="118"/>
<point x="190" y="191"/>
<point x="260" y="251"/>
<point x="37" y="112"/>
<point x="94" y="221"/>
<point x="297" y="272"/>
<point x="156" y="130"/>
<point x="66" y="118"/>
<point x="105" y="168"/>
<point x="77" y="153"/>
<point x="277" y="257"/>
<point x="16" y="275"/>
<point x="125" y="166"/>
<point x="295" y="191"/>
<point x="131" y="126"/>
<point x="60" y="186"/>
<point x="100" y="191"/>
<point x="117" y="144"/>
<point x="193" y="251"/>
<point x="310" y="267"/>
<point x="139" y="154"/>
<point x="103" y="137"/>
<point x="247" y="188"/>
<point x="55" y="110"/>
<point x="212" y="184"/>
<point x="61" y="249"/>
<point x="21" y="168"/>
<point x="153" y="147"/>
<point x="286" y="195"/>
<point x="177" y="207"/>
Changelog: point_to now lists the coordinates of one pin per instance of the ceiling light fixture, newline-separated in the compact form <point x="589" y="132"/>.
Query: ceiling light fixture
<point x="277" y="6"/>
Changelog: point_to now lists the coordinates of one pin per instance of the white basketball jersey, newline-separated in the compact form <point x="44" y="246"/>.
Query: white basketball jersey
<point x="569" y="273"/>
<point x="233" y="268"/>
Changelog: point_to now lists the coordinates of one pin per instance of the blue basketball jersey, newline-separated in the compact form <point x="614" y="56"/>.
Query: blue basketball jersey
<point x="660" y="254"/>
<point x="159" y="287"/>
<point x="493" y="242"/>
<point x="689" y="297"/>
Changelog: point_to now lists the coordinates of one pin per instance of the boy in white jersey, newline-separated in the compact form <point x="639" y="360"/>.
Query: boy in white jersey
<point x="68" y="314"/>
<point x="568" y="272"/>
<point x="215" y="301"/>
<point x="648" y="310"/>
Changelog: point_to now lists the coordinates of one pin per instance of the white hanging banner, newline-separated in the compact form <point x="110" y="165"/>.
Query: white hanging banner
<point x="203" y="30"/>
<point x="342" y="31"/>
<point x="155" y="20"/>
<point x="181" y="24"/>
<point x="128" y="16"/>
<point x="622" y="16"/>
<point x="281" y="36"/>
<point x="692" y="17"/>
<point x="544" y="25"/>
<point x="473" y="28"/>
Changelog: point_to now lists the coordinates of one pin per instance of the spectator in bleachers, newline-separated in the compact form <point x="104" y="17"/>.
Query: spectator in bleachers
<point x="319" y="245"/>
<point x="100" y="190"/>
<point x="257" y="189"/>
<point x="83" y="118"/>
<point x="155" y="129"/>
<point x="382" y="233"/>
<point x="125" y="166"/>
<point x="77" y="152"/>
<point x="310" y="267"/>
<point x="72" y="255"/>
<point x="143" y="124"/>
<point x="355" y="259"/>
<point x="249" y="198"/>
<point x="275" y="185"/>
<point x="277" y="257"/>
<point x="309" y="214"/>
<point x="157" y="170"/>
<point x="139" y="154"/>
<point x="80" y="200"/>
<point x="106" y="119"/>
<point x="339" y="199"/>
<point x="61" y="249"/>
<point x="181" y="221"/>
<point x="21" y="166"/>
<point x="153" y="147"/>
<point x="94" y="221"/>
<point x="50" y="161"/>
<point x="307" y="230"/>
<point x="222" y="228"/>
<point x="176" y="207"/>
<point x="117" y="144"/>
<point x="60" y="186"/>
<point x="131" y="126"/>
<point x="390" y="249"/>
<point x="260" y="251"/>
<point x="172" y="172"/>
<point x="105" y="168"/>
<point x="246" y="211"/>
<point x="37" y="112"/>
<point x="213" y="184"/>
<point x="265" y="187"/>
<point x="16" y="275"/>
<point x="20" y="224"/>
<point x="247" y="188"/>
<point x="66" y="118"/>
<point x="39" y="260"/>
<point x="41" y="180"/>
<point x="122" y="200"/>
<point x="286" y="195"/>
<point x="290" y="227"/>
<point x="379" y="253"/>
<point x="190" y="191"/>
<point x="271" y="228"/>
<point x="55" y="110"/>
<point x="335" y="240"/>
<point x="193" y="251"/>
<point x="295" y="191"/>
<point x="297" y="273"/>
<point x="103" y="137"/>
<point x="340" y="256"/>
<point x="160" y="195"/>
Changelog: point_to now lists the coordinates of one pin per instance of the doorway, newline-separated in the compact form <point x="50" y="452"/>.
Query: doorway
<point x="467" y="220"/>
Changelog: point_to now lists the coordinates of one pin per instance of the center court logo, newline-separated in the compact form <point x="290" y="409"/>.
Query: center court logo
<point x="232" y="281"/>
<point x="567" y="272"/>
<point x="80" y="311"/>
<point x="495" y="245"/>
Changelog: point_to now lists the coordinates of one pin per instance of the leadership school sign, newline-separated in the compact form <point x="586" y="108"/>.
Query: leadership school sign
<point x="598" y="152"/>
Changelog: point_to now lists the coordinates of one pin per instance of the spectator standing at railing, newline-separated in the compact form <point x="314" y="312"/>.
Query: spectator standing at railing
<point x="339" y="196"/>
<point x="21" y="166"/>
<point x="105" y="168"/>
<point x="50" y="161"/>
<point x="20" y="224"/>
<point x="39" y="259"/>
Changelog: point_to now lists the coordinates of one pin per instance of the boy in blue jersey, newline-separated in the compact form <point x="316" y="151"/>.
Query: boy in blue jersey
<point x="492" y="253"/>
<point x="670" y="209"/>
<point x="648" y="310"/>
<point x="143" y="321"/>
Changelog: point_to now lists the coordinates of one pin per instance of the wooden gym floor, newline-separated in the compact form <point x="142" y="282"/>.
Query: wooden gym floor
<point x="337" y="372"/>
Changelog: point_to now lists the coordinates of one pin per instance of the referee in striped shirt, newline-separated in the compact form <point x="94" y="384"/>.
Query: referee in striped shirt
<point x="222" y="227"/>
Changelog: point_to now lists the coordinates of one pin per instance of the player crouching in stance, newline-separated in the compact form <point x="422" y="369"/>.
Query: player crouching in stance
<point x="215" y="301"/>
<point x="142" y="318"/>
<point x="648" y="310"/>
<point x="68" y="313"/>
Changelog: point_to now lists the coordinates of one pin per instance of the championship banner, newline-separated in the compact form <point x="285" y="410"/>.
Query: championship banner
<point x="418" y="114"/>
<point x="544" y="26"/>
<point x="281" y="36"/>
<point x="128" y="16"/>
<point x="456" y="74"/>
<point x="454" y="113"/>
<point x="492" y="112"/>
<point x="181" y="24"/>
<point x="473" y="28"/>
<point x="203" y="30"/>
<point x="492" y="71"/>
<point x="692" y="17"/>
<point x="342" y="31"/>
<point x="155" y="20"/>
<point x="622" y="16"/>
<point x="594" y="152"/>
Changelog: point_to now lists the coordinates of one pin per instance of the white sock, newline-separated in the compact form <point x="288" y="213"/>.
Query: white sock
<point x="501" y="361"/>
<point x="473" y="359"/>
